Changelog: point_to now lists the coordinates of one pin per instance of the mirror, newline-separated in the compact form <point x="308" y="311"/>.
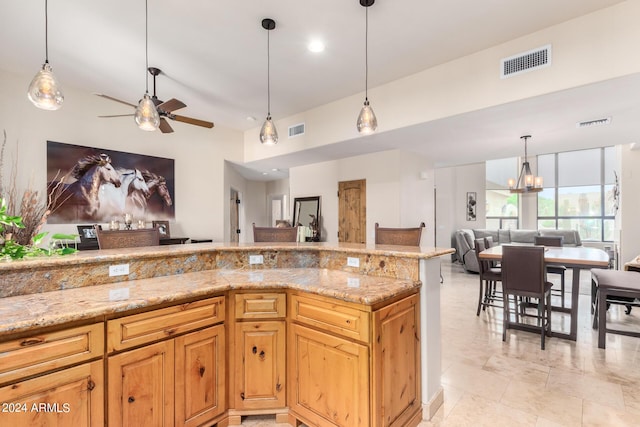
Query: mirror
<point x="306" y="213"/>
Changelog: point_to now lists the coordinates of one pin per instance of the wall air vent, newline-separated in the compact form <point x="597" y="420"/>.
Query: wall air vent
<point x="296" y="130"/>
<point x="526" y="61"/>
<point x="597" y="122"/>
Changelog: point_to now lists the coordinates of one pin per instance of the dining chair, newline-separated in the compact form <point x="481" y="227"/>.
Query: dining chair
<point x="524" y="279"/>
<point x="553" y="241"/>
<point x="489" y="277"/>
<point x="275" y="234"/>
<point x="398" y="236"/>
<point x="114" y="239"/>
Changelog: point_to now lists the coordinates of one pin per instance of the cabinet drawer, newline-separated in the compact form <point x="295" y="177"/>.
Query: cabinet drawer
<point x="142" y="328"/>
<point x="330" y="316"/>
<point x="260" y="306"/>
<point x="39" y="353"/>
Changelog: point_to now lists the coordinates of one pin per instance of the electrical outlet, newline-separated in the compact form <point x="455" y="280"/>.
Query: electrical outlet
<point x="256" y="259"/>
<point x="353" y="262"/>
<point x="119" y="270"/>
<point x="118" y="294"/>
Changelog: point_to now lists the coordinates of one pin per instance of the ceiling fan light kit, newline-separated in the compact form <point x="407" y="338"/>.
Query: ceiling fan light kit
<point x="527" y="182"/>
<point x="367" y="122"/>
<point x="44" y="91"/>
<point x="146" y="116"/>
<point x="268" y="132"/>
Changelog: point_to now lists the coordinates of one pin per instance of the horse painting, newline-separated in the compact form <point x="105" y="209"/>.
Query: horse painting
<point x="90" y="172"/>
<point x="115" y="201"/>
<point x="157" y="184"/>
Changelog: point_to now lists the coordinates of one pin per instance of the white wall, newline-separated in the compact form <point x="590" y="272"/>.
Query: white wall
<point x="199" y="153"/>
<point x="629" y="213"/>
<point x="399" y="190"/>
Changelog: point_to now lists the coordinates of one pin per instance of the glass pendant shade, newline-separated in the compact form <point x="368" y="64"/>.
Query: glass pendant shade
<point x="44" y="91"/>
<point x="147" y="116"/>
<point x="367" y="122"/>
<point x="268" y="133"/>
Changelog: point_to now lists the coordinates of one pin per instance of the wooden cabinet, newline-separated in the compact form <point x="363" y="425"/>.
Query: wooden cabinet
<point x="258" y="358"/>
<point x="72" y="395"/>
<point x="350" y="366"/>
<point x="175" y="381"/>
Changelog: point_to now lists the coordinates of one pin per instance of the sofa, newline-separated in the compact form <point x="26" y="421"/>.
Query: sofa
<point x="464" y="239"/>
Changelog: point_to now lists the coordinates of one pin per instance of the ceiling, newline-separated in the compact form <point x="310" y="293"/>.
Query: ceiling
<point x="213" y="57"/>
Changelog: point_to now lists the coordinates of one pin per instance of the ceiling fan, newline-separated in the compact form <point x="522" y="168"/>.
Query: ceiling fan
<point x="165" y="109"/>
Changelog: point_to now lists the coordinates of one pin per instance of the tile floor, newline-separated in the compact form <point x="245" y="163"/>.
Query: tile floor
<point x="490" y="383"/>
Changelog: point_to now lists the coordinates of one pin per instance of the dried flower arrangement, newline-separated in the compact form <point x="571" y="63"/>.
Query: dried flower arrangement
<point x="22" y="216"/>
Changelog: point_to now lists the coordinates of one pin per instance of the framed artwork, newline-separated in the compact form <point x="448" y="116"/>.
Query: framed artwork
<point x="163" y="228"/>
<point x="471" y="205"/>
<point x="96" y="185"/>
<point x="87" y="233"/>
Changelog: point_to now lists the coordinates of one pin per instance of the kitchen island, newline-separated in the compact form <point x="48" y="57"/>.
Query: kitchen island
<point x="235" y="311"/>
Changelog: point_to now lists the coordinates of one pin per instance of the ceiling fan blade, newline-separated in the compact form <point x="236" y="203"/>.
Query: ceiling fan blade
<point x="115" y="99"/>
<point x="165" y="127"/>
<point x="171" y="105"/>
<point x="191" y="121"/>
<point x="117" y="115"/>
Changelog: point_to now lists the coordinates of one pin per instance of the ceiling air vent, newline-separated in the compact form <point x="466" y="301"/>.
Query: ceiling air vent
<point x="597" y="122"/>
<point x="526" y="61"/>
<point x="296" y="130"/>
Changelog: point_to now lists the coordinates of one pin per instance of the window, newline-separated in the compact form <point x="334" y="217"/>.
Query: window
<point x="502" y="206"/>
<point x="578" y="192"/>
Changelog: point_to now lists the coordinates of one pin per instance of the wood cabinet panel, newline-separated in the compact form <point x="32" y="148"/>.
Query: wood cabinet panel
<point x="260" y="306"/>
<point x="260" y="365"/>
<point x="329" y="378"/>
<point x="42" y="352"/>
<point x="200" y="376"/>
<point x="138" y="329"/>
<point x="70" y="397"/>
<point x="330" y="316"/>
<point x="141" y="386"/>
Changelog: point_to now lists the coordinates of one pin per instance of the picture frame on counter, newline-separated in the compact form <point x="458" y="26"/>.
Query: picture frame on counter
<point x="163" y="228"/>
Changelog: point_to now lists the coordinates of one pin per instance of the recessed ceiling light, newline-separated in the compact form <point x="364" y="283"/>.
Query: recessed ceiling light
<point x="251" y="119"/>
<point x="275" y="170"/>
<point x="316" y="46"/>
<point x="265" y="173"/>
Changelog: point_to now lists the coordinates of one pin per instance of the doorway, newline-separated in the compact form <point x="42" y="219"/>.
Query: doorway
<point x="352" y="211"/>
<point x="234" y="217"/>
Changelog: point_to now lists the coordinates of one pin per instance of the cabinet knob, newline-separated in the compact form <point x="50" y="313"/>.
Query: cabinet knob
<point x="131" y="399"/>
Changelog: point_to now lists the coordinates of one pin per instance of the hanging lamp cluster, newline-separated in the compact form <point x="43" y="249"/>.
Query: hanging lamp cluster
<point x="146" y="115"/>
<point x="527" y="182"/>
<point x="268" y="132"/>
<point x="367" y="122"/>
<point x="44" y="91"/>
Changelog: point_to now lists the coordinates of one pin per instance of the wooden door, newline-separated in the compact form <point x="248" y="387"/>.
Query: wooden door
<point x="329" y="378"/>
<point x="260" y="356"/>
<point x="71" y="397"/>
<point x="141" y="387"/>
<point x="200" y="393"/>
<point x="234" y="217"/>
<point x="352" y="211"/>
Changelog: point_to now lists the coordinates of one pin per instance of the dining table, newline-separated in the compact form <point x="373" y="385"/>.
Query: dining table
<point x="576" y="258"/>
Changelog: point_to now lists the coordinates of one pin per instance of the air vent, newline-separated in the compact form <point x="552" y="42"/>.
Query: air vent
<point x="597" y="122"/>
<point x="296" y="130"/>
<point x="525" y="61"/>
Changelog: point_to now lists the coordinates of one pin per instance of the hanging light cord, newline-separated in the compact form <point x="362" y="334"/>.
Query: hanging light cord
<point x="146" y="44"/>
<point x="268" y="75"/>
<point x="366" y="54"/>
<point x="46" y="32"/>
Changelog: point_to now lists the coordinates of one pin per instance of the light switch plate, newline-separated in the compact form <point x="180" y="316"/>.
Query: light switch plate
<point x="256" y="259"/>
<point x="119" y="270"/>
<point x="353" y="262"/>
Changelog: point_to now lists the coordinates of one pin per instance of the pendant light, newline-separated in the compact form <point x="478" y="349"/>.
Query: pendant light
<point x="527" y="182"/>
<point x="268" y="132"/>
<point x="44" y="91"/>
<point x="146" y="115"/>
<point x="367" y="122"/>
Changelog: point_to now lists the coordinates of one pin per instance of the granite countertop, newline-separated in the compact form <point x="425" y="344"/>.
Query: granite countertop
<point x="26" y="312"/>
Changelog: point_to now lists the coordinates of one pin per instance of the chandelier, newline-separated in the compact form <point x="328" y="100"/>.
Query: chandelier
<point x="527" y="182"/>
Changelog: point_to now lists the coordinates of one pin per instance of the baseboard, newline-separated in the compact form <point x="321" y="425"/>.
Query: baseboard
<point x="430" y="408"/>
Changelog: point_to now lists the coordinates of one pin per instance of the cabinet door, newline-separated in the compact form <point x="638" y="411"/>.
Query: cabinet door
<point x="141" y="386"/>
<point x="396" y="364"/>
<point x="328" y="378"/>
<point x="261" y="360"/>
<point x="200" y="376"/>
<point x="71" y="397"/>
